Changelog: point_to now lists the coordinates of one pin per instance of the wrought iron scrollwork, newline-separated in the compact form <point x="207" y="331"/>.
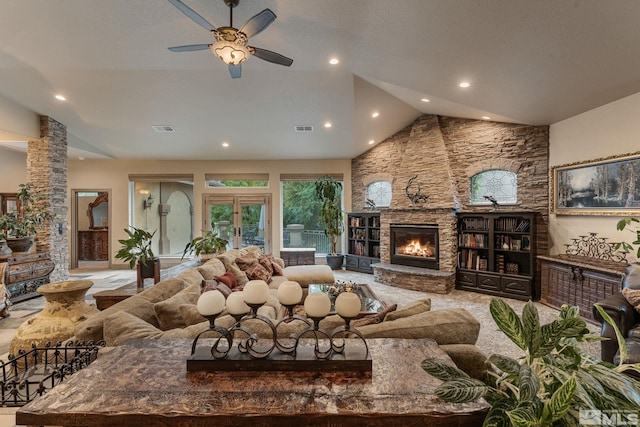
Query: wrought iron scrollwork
<point x="595" y="247"/>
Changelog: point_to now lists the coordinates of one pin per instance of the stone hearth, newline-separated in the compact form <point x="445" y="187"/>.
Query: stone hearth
<point x="416" y="278"/>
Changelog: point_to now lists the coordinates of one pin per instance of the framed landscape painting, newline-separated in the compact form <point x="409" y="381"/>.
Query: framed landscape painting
<point x="608" y="186"/>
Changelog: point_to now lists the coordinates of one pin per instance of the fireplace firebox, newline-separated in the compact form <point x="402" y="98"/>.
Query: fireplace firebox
<point x="415" y="245"/>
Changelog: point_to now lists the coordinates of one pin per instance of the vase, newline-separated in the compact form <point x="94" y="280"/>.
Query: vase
<point x="5" y="250"/>
<point x="20" y="244"/>
<point x="65" y="308"/>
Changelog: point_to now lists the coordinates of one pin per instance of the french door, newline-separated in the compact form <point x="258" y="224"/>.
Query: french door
<point x="243" y="220"/>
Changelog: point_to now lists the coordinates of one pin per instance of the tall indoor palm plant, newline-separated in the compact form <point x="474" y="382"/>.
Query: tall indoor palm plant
<point x="329" y="192"/>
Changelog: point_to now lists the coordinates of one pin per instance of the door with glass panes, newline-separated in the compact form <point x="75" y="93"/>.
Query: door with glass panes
<point x="242" y="220"/>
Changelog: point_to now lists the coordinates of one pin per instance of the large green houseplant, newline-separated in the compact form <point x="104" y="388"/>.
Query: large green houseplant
<point x="207" y="244"/>
<point x="329" y="193"/>
<point x="551" y="383"/>
<point x="22" y="225"/>
<point x="633" y="225"/>
<point x="136" y="249"/>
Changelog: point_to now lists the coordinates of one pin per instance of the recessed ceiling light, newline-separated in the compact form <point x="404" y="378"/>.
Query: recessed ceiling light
<point x="61" y="98"/>
<point x="372" y="142"/>
<point x="328" y="124"/>
<point x="375" y="114"/>
<point x="425" y="100"/>
<point x="464" y="84"/>
<point x="334" y="61"/>
<point x="486" y="118"/>
<point x="225" y="144"/>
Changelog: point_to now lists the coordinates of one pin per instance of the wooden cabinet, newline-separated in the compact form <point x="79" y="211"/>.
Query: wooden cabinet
<point x="496" y="254"/>
<point x="25" y="273"/>
<point x="93" y="245"/>
<point x="579" y="281"/>
<point x="363" y="231"/>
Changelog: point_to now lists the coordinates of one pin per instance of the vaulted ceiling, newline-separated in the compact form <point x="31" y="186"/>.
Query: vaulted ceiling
<point x="527" y="61"/>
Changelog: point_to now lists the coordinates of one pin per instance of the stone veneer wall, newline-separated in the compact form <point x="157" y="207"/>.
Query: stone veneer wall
<point x="444" y="153"/>
<point x="47" y="172"/>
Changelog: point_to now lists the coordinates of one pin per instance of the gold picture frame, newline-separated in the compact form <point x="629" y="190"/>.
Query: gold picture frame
<point x="605" y="186"/>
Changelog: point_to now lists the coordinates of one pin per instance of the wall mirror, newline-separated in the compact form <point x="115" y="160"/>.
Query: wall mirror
<point x="98" y="212"/>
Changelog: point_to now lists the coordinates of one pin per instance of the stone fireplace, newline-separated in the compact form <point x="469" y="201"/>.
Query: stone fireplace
<point x="414" y="244"/>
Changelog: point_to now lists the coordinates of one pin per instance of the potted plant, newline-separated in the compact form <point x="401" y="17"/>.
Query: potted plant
<point x="633" y="225"/>
<point x="136" y="250"/>
<point x="329" y="192"/>
<point x="21" y="226"/>
<point x="207" y="245"/>
<point x="551" y="383"/>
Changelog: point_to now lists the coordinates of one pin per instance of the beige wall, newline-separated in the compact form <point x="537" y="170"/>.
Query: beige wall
<point x="113" y="175"/>
<point x="13" y="166"/>
<point x="612" y="129"/>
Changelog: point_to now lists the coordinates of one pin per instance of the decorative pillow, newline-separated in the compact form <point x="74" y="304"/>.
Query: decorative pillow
<point x="190" y="277"/>
<point x="277" y="269"/>
<point x="190" y="314"/>
<point x="633" y="296"/>
<point x="227" y="258"/>
<point x="265" y="261"/>
<point x="374" y="318"/>
<point x="241" y="276"/>
<point x="245" y="262"/>
<point x="212" y="268"/>
<point x="121" y="326"/>
<point x="214" y="285"/>
<point x="410" y="310"/>
<point x="168" y="311"/>
<point x="228" y="279"/>
<point x="258" y="272"/>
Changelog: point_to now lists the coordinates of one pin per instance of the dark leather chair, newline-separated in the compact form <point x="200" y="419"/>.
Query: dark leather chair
<point x="625" y="317"/>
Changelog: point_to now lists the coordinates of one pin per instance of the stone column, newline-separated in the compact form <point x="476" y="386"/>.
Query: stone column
<point x="47" y="172"/>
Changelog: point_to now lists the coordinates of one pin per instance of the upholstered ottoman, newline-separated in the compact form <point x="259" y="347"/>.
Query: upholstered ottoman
<point x="307" y="274"/>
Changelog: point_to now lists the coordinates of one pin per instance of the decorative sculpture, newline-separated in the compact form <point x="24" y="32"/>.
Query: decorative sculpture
<point x="416" y="197"/>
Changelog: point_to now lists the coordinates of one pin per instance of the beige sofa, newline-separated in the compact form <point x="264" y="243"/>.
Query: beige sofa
<point x="168" y="310"/>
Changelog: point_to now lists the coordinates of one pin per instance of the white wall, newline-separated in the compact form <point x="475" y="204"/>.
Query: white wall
<point x="613" y="129"/>
<point x="113" y="175"/>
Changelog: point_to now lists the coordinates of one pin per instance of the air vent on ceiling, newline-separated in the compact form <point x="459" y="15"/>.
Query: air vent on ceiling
<point x="304" y="128"/>
<point x="163" y="128"/>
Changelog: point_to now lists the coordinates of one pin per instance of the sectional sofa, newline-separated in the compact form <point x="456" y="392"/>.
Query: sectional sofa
<point x="168" y="310"/>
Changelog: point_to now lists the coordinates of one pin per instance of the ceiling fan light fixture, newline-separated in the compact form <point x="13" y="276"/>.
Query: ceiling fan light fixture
<point x="230" y="53"/>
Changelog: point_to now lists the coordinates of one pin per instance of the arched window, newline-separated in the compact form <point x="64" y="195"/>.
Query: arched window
<point x="379" y="192"/>
<point x="502" y="185"/>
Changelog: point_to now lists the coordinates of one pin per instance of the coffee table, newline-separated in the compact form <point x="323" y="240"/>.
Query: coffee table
<point x="145" y="383"/>
<point x="370" y="302"/>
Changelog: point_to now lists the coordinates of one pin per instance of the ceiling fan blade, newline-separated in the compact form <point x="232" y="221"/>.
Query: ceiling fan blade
<point x="193" y="15"/>
<point x="276" y="58"/>
<point x="235" y="71"/>
<point x="258" y="23"/>
<point x="189" y="47"/>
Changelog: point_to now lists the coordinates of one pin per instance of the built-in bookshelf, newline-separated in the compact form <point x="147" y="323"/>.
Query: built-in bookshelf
<point x="496" y="253"/>
<point x="363" y="236"/>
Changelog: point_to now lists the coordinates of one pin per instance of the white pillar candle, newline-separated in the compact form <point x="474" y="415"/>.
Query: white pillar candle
<point x="236" y="305"/>
<point x="289" y="293"/>
<point x="210" y="303"/>
<point x="255" y="292"/>
<point x="348" y="304"/>
<point x="317" y="304"/>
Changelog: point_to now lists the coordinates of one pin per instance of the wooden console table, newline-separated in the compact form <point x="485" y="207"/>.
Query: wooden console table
<point x="579" y="280"/>
<point x="148" y="385"/>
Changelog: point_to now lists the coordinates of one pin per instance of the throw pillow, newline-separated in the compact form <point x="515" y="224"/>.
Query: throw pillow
<point x="212" y="268"/>
<point x="168" y="311"/>
<point x="412" y="309"/>
<point x="241" y="276"/>
<point x="245" y="262"/>
<point x="214" y="285"/>
<point x="121" y="326"/>
<point x="190" y="314"/>
<point x="265" y="261"/>
<point x="258" y="272"/>
<point x="228" y="279"/>
<point x="633" y="296"/>
<point x="373" y="318"/>
<point x="277" y="268"/>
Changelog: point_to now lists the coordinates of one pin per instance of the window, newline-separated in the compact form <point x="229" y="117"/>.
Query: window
<point x="239" y="180"/>
<point x="301" y="224"/>
<point x="502" y="185"/>
<point x="163" y="204"/>
<point x="379" y="193"/>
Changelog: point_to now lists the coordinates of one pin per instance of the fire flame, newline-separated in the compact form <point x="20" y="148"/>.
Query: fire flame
<point x="416" y="249"/>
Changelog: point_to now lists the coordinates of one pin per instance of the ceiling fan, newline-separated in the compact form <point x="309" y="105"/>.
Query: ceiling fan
<point x="231" y="43"/>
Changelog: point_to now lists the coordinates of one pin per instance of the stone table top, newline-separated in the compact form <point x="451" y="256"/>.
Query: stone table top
<point x="145" y="383"/>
